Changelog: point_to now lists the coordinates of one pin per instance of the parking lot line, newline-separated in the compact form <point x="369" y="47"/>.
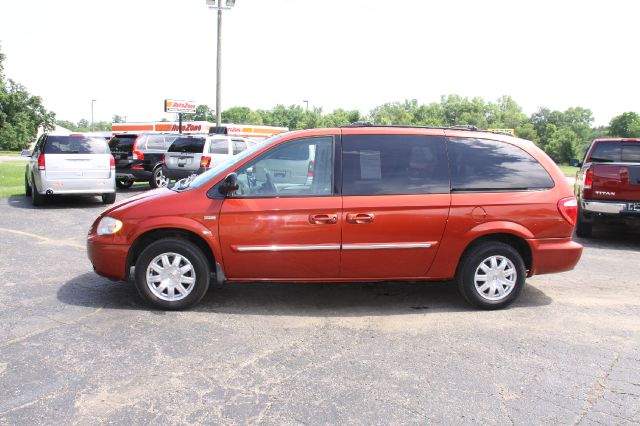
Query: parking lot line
<point x="44" y="239"/>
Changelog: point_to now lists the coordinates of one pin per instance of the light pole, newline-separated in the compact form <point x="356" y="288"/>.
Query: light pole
<point x="217" y="4"/>
<point x="92" y="102"/>
<point x="307" y="102"/>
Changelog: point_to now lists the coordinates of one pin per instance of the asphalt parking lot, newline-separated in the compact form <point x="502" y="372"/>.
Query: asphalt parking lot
<point x="78" y="348"/>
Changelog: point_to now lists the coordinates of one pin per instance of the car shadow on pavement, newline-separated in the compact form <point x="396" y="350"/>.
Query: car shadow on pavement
<point x="56" y="202"/>
<point x="71" y="201"/>
<point x="295" y="299"/>
<point x="612" y="237"/>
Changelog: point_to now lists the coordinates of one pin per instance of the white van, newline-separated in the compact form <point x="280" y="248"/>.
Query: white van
<point x="70" y="164"/>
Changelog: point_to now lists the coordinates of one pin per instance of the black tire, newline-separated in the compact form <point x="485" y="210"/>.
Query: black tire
<point x="188" y="251"/>
<point x="109" y="198"/>
<point x="584" y="229"/>
<point x="37" y="199"/>
<point x="123" y="184"/>
<point x="27" y="187"/>
<point x="472" y="260"/>
<point x="158" y="179"/>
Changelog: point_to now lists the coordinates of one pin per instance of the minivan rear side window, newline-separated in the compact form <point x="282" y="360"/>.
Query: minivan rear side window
<point x="75" y="145"/>
<point x="394" y="164"/>
<point x="488" y="165"/>
<point x="193" y="145"/>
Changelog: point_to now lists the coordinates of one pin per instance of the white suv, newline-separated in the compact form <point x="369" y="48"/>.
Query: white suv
<point x="70" y="164"/>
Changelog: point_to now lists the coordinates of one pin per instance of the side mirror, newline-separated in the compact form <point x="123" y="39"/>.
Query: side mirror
<point x="229" y="184"/>
<point x="25" y="153"/>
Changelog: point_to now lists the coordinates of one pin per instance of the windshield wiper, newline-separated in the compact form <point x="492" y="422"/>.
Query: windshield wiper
<point x="184" y="183"/>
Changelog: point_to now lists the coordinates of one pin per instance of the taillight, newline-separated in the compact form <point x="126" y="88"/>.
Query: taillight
<point x="112" y="163"/>
<point x="205" y="162"/>
<point x="568" y="208"/>
<point x="137" y="155"/>
<point x="588" y="178"/>
<point x="41" y="162"/>
<point x="310" y="171"/>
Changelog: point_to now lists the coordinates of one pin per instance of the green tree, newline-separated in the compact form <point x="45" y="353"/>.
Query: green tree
<point x="203" y="113"/>
<point x="626" y="125"/>
<point x="117" y="119"/>
<point x="241" y="115"/>
<point x="562" y="144"/>
<point x="20" y="114"/>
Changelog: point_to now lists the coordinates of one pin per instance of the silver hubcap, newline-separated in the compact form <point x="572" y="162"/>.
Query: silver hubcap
<point x="171" y="277"/>
<point x="495" y="278"/>
<point x="161" y="179"/>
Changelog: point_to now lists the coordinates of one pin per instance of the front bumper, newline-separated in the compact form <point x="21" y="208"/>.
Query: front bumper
<point x="109" y="260"/>
<point x="554" y="255"/>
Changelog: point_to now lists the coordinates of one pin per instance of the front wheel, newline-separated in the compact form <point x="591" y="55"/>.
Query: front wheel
<point x="158" y="180"/>
<point x="491" y="275"/>
<point x="172" y="274"/>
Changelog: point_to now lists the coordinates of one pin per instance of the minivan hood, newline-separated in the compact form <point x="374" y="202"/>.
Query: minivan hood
<point x="123" y="205"/>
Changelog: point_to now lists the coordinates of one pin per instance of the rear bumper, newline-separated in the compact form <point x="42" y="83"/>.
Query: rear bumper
<point x="554" y="255"/>
<point x="108" y="260"/>
<point x="77" y="186"/>
<point x="611" y="207"/>
<point x="174" y="174"/>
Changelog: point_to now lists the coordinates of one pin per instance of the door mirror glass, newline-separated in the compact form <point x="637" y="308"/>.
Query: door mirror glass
<point x="229" y="184"/>
<point x="25" y="153"/>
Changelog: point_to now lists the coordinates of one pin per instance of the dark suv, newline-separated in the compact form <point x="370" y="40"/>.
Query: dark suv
<point x="139" y="157"/>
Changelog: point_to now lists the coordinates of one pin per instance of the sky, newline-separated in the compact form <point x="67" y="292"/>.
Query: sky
<point x="354" y="54"/>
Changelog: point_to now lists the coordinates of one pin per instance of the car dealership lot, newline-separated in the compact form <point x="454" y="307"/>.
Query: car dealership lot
<point x="75" y="347"/>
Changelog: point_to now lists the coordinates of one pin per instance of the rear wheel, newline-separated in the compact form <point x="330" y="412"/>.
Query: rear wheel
<point x="27" y="187"/>
<point x="109" y="198"/>
<point x="37" y="199"/>
<point x="158" y="180"/>
<point x="584" y="229"/>
<point x="172" y="274"/>
<point x="124" y="184"/>
<point x="491" y="275"/>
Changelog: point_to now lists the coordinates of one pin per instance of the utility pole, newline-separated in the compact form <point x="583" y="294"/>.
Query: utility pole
<point x="217" y="5"/>
<point x="92" y="102"/>
<point x="219" y="66"/>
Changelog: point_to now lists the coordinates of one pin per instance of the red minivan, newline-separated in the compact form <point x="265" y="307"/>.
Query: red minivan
<point x="357" y="203"/>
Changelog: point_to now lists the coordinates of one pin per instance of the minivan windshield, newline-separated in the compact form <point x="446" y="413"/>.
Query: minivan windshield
<point x="76" y="145"/>
<point x="199" y="180"/>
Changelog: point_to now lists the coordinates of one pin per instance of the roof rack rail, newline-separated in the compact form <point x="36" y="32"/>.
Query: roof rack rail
<point x="463" y="127"/>
<point x="359" y="124"/>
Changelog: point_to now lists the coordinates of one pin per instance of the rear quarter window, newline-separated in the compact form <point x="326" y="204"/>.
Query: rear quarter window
<point x="122" y="143"/>
<point x="75" y="145"/>
<point x="488" y="165"/>
<point x="193" y="145"/>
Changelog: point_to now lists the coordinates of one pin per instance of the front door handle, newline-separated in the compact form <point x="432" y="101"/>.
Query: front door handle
<point x="323" y="219"/>
<point x="360" y="217"/>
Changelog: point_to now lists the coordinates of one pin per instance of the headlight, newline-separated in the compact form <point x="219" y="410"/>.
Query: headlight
<point x="109" y="226"/>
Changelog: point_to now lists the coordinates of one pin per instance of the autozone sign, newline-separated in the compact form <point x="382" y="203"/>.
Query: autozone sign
<point x="186" y="107"/>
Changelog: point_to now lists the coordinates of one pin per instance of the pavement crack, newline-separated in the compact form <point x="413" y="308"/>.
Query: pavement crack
<point x="598" y="389"/>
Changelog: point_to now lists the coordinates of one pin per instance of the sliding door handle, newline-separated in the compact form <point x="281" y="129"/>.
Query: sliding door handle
<point x="360" y="217"/>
